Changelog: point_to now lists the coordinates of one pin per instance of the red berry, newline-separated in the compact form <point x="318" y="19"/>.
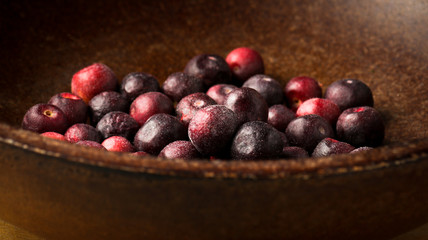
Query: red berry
<point x="149" y="104"/>
<point x="244" y="63"/>
<point x="321" y="107"/>
<point x="118" y="144"/>
<point x="219" y="92"/>
<point x="300" y="89"/>
<point x="54" y="135"/>
<point x="180" y="149"/>
<point x="92" y="80"/>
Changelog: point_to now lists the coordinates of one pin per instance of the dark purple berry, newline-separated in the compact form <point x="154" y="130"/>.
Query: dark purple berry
<point x="284" y="138"/>
<point x="348" y="93"/>
<point x="268" y="87"/>
<point x="300" y="89"/>
<point x="81" y="131"/>
<point x="321" y="107"/>
<point x="179" y="85"/>
<point x="361" y="126"/>
<point x="136" y="83"/>
<point x="212" y="69"/>
<point x="158" y="131"/>
<point x="294" y="152"/>
<point x="248" y="105"/>
<point x="106" y="102"/>
<point x="280" y="116"/>
<point x="189" y="105"/>
<point x="244" y="63"/>
<point x="361" y="149"/>
<point x="329" y="146"/>
<point x="118" y="124"/>
<point x="42" y="118"/>
<point x="256" y="140"/>
<point x="307" y="131"/>
<point x="180" y="149"/>
<point x="90" y="143"/>
<point x="140" y="153"/>
<point x="118" y="144"/>
<point x="212" y="128"/>
<point x="74" y="108"/>
<point x="149" y="104"/>
<point x="219" y="92"/>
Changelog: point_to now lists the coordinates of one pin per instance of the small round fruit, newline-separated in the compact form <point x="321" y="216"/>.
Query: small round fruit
<point x="219" y="92"/>
<point x="54" y="135"/>
<point x="81" y="131"/>
<point x="244" y="63"/>
<point x="279" y="116"/>
<point x="136" y="83"/>
<point x="212" y="69"/>
<point x="118" y="144"/>
<point x="42" y="118"/>
<point x="90" y="143"/>
<point x="158" y="131"/>
<point x="256" y="140"/>
<point x="307" y="131"/>
<point x="92" y="80"/>
<point x="268" y="87"/>
<point x="294" y="152"/>
<point x="300" y="89"/>
<point x="74" y="108"/>
<point x="189" y="105"/>
<point x="321" y="107"/>
<point x="106" y="102"/>
<point x="361" y="126"/>
<point x="212" y="129"/>
<point x="248" y="105"/>
<point x="149" y="104"/>
<point x="179" y="85"/>
<point x="330" y="146"/>
<point x="118" y="124"/>
<point x="348" y="93"/>
<point x="361" y="149"/>
<point x="180" y="149"/>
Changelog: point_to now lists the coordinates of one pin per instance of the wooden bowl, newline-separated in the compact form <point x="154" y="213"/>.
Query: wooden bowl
<point x="63" y="191"/>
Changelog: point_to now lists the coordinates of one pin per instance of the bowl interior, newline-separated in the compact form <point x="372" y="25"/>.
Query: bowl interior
<point x="381" y="43"/>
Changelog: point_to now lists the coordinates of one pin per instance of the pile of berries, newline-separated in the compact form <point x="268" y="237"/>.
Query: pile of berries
<point x="215" y="108"/>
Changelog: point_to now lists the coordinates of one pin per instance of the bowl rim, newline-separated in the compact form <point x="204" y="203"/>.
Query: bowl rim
<point x="380" y="157"/>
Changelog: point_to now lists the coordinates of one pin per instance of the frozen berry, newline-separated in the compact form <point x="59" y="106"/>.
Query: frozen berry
<point x="361" y="149"/>
<point x="149" y="104"/>
<point x="189" y="105"/>
<point x="136" y="83"/>
<point x="106" y="102"/>
<point x="348" y="93"/>
<point x="256" y="140"/>
<point x="280" y="116"/>
<point x="361" y="126"/>
<point x="158" y="131"/>
<point x="244" y="63"/>
<point x="180" y="149"/>
<point x="212" y="69"/>
<point x="118" y="144"/>
<point x="54" y="135"/>
<point x="300" y="89"/>
<point x="218" y="92"/>
<point x="81" y="131"/>
<point x="42" y="118"/>
<point x="294" y="152"/>
<point x="248" y="105"/>
<point x="179" y="85"/>
<point x="118" y="124"/>
<point x="329" y="146"/>
<point x="90" y="143"/>
<point x="92" y="80"/>
<point x="320" y="106"/>
<point x="268" y="87"/>
<point x="74" y="108"/>
<point x="212" y="128"/>
<point x="307" y="131"/>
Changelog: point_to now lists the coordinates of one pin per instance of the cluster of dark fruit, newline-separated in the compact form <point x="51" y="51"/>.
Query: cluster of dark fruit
<point x="214" y="117"/>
